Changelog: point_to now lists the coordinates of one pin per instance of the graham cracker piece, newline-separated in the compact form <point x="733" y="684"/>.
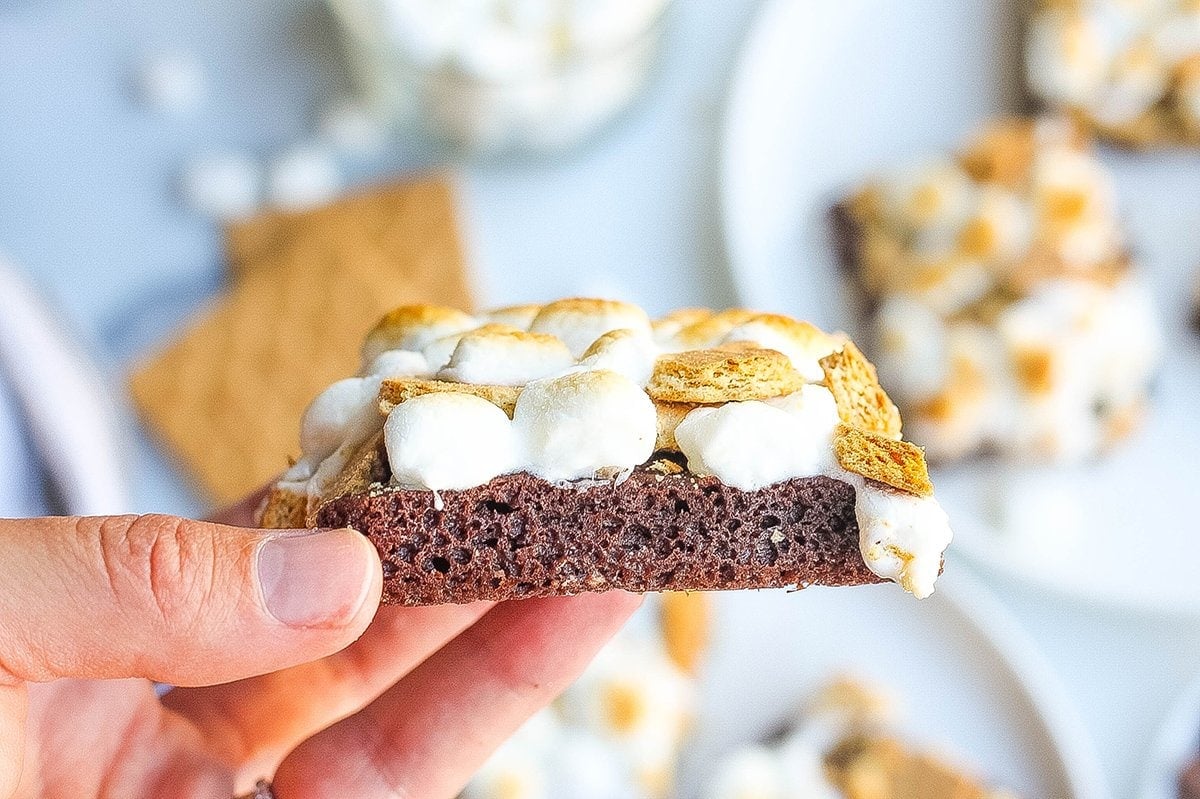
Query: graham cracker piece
<point x="861" y="401"/>
<point x="669" y="415"/>
<point x="366" y="466"/>
<point x="225" y="396"/>
<point x="899" y="464"/>
<point x="870" y="767"/>
<point x="686" y="619"/>
<point x="396" y="390"/>
<point x="724" y="375"/>
<point x="284" y="509"/>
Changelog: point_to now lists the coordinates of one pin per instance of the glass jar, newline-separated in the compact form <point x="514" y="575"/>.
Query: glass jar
<point x="490" y="76"/>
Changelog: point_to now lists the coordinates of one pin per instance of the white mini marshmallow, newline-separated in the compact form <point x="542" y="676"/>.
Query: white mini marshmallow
<point x="627" y="352"/>
<point x="579" y="322"/>
<point x="505" y="358"/>
<point x="902" y="536"/>
<point x="1067" y="56"/>
<point x="750" y="445"/>
<point x="399" y="363"/>
<point x="173" y="83"/>
<point x="930" y="194"/>
<point x="584" y="421"/>
<point x="912" y="357"/>
<point x="803" y="344"/>
<point x="303" y="177"/>
<point x="448" y="441"/>
<point x="750" y="772"/>
<point x="518" y="316"/>
<point x="345" y="410"/>
<point x="222" y="185"/>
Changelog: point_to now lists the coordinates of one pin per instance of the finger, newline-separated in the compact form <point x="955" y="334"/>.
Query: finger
<point x="112" y="738"/>
<point x="176" y="600"/>
<point x="244" y="513"/>
<point x="253" y="723"/>
<point x="429" y="734"/>
<point x="13" y="701"/>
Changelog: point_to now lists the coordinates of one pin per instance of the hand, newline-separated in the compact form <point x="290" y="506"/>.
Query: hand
<point x="264" y="627"/>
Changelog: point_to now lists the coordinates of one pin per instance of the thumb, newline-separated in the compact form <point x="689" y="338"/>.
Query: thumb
<point x="177" y="600"/>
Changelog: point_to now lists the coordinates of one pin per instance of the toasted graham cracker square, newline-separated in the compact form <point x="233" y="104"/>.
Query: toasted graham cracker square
<point x="284" y="509"/>
<point x="887" y="460"/>
<point x="861" y="401"/>
<point x="226" y="394"/>
<point x="396" y="390"/>
<point x="367" y="465"/>
<point x="723" y="375"/>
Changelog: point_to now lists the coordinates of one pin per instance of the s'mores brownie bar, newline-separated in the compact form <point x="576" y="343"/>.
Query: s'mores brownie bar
<point x="1128" y="70"/>
<point x="1006" y="311"/>
<point x="842" y="746"/>
<point x="580" y="446"/>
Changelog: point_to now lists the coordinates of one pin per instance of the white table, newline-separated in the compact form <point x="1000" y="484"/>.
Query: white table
<point x="89" y="209"/>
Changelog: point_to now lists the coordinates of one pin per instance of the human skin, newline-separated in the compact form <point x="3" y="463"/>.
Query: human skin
<point x="286" y="664"/>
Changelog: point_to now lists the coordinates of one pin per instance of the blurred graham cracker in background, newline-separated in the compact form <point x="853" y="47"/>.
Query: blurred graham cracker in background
<point x="226" y="396"/>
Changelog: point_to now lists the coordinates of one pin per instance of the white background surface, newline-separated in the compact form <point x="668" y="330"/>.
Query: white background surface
<point x="89" y="209"/>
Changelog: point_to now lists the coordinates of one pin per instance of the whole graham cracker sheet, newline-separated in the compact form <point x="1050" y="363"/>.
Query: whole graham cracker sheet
<point x="226" y="395"/>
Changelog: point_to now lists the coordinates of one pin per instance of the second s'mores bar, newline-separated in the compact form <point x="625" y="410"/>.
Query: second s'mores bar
<point x="1007" y="314"/>
<point x="1128" y="70"/>
<point x="580" y="446"/>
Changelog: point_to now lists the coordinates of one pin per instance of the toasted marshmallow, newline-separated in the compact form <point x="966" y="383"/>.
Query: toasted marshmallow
<point x="803" y="343"/>
<point x="398" y="363"/>
<point x="632" y="693"/>
<point x="1138" y="78"/>
<point x="579" y="322"/>
<point x="999" y="229"/>
<point x="628" y="352"/>
<point x="439" y="351"/>
<point x="449" y="441"/>
<point x="667" y="327"/>
<point x="518" y="316"/>
<point x="706" y="332"/>
<point x="582" y="422"/>
<point x="902" y="536"/>
<point x="348" y="409"/>
<point x="927" y="195"/>
<point x="413" y="327"/>
<point x="750" y="445"/>
<point x="1067" y="56"/>
<point x="503" y="356"/>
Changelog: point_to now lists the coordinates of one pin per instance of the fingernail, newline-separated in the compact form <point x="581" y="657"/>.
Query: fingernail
<point x="314" y="579"/>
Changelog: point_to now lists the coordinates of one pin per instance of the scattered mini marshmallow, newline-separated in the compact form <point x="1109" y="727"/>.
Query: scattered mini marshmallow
<point x="303" y="176"/>
<point x="222" y="185"/>
<point x="350" y="128"/>
<point x="172" y="83"/>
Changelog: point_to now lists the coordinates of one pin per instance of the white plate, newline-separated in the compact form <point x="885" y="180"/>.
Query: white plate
<point x="971" y="683"/>
<point x="824" y="94"/>
<point x="1177" y="742"/>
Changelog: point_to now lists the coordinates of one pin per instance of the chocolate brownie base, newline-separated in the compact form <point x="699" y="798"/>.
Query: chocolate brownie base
<point x="521" y="536"/>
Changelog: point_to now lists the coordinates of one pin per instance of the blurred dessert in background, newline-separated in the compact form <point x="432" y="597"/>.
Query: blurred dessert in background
<point x="618" y="731"/>
<point x="1007" y="313"/>
<point x="843" y="746"/>
<point x="225" y="395"/>
<point x="1130" y="71"/>
<point x="496" y="75"/>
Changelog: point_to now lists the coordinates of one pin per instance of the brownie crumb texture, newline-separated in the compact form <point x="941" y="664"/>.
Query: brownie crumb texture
<point x="520" y="536"/>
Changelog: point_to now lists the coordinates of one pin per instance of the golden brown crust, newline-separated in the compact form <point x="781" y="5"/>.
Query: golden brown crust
<point x="861" y="401"/>
<point x="707" y="331"/>
<point x="725" y="375"/>
<point x="898" y="464"/>
<point x="402" y="327"/>
<point x="284" y="509"/>
<point x="686" y="618"/>
<point x="396" y="390"/>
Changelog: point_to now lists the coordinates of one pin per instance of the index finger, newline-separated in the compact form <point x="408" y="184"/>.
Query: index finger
<point x="428" y="735"/>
